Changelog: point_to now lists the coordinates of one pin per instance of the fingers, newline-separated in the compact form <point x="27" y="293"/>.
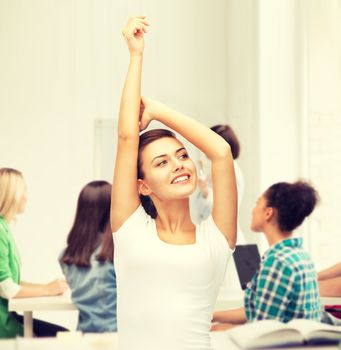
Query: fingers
<point x="134" y="26"/>
<point x="57" y="287"/>
<point x="143" y="124"/>
<point x="142" y="108"/>
<point x="217" y="328"/>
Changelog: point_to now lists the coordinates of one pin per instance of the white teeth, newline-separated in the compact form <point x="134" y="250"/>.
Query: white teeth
<point x="180" y="179"/>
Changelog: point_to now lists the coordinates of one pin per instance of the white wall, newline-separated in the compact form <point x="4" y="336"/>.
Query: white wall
<point x="263" y="95"/>
<point x="241" y="97"/>
<point x="324" y="125"/>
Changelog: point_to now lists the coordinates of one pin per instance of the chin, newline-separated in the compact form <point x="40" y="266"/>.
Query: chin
<point x="183" y="193"/>
<point x="190" y="190"/>
<point x="255" y="229"/>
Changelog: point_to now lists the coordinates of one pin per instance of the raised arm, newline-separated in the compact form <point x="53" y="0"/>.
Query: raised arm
<point x="125" y="197"/>
<point x="224" y="211"/>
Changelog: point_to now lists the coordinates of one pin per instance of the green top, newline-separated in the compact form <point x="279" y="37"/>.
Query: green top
<point x="9" y="268"/>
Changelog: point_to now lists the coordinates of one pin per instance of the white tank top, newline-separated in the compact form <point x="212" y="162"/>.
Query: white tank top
<point x="166" y="293"/>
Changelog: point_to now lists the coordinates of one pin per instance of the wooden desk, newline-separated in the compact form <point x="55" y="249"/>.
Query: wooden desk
<point x="28" y="305"/>
<point x="331" y="300"/>
<point x="234" y="299"/>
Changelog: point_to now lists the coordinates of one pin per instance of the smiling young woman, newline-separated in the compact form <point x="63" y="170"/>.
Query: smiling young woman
<point x="168" y="270"/>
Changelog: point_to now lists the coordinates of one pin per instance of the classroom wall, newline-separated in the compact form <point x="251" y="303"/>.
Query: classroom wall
<point x="323" y="123"/>
<point x="263" y="95"/>
<point x="66" y="62"/>
<point x="62" y="66"/>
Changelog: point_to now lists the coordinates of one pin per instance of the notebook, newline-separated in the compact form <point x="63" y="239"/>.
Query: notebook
<point x="247" y="259"/>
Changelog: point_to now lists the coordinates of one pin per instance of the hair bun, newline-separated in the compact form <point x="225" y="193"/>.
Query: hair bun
<point x="306" y="195"/>
<point x="293" y="203"/>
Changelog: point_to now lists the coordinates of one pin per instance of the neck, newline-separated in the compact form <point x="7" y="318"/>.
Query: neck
<point x="274" y="235"/>
<point x="8" y="218"/>
<point x="173" y="215"/>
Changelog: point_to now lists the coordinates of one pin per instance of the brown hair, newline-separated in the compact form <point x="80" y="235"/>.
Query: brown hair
<point x="91" y="226"/>
<point x="145" y="139"/>
<point x="226" y="132"/>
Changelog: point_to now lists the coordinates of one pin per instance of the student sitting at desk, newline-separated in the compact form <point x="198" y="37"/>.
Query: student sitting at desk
<point x="12" y="202"/>
<point x="285" y="285"/>
<point x="87" y="261"/>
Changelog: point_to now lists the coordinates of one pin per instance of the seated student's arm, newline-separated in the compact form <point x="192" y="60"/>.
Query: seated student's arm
<point x="27" y="290"/>
<point x="216" y="327"/>
<point x="330" y="287"/>
<point x="10" y="289"/>
<point x="234" y="316"/>
<point x="331" y="272"/>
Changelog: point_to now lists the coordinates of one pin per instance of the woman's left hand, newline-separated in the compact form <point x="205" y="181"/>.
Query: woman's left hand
<point x="133" y="33"/>
<point x="148" y="110"/>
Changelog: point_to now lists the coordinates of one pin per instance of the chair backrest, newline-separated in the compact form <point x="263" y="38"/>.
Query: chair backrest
<point x="247" y="259"/>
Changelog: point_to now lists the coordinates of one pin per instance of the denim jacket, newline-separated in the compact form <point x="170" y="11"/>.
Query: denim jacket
<point x="93" y="291"/>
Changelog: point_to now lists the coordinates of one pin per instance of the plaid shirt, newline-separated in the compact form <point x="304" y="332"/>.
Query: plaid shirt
<point x="285" y="285"/>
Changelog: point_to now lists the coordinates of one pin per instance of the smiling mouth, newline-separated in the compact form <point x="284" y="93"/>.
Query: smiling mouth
<point x="181" y="179"/>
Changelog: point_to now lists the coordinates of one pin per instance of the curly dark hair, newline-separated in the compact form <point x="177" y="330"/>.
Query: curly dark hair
<point x="293" y="203"/>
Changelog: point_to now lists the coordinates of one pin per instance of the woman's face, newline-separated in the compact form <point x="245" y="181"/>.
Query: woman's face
<point x="169" y="173"/>
<point x="259" y="214"/>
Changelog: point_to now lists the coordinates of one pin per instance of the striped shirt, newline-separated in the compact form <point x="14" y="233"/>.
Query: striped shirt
<point x="285" y="285"/>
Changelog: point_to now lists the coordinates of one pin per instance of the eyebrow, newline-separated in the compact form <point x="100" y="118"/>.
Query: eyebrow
<point x="165" y="155"/>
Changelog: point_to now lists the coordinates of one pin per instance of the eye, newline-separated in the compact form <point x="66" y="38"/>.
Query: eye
<point x="184" y="156"/>
<point x="162" y="163"/>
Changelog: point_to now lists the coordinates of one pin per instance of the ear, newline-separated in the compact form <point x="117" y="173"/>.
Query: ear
<point x="269" y="213"/>
<point x="143" y="188"/>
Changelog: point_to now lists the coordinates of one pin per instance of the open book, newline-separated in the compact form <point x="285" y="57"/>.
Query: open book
<point x="271" y="333"/>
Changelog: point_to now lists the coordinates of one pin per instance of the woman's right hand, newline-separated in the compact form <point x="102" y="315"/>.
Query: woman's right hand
<point x="133" y="33"/>
<point x="56" y="287"/>
<point x="145" y="116"/>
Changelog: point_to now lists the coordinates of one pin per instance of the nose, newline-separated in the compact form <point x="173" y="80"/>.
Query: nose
<point x="177" y="165"/>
